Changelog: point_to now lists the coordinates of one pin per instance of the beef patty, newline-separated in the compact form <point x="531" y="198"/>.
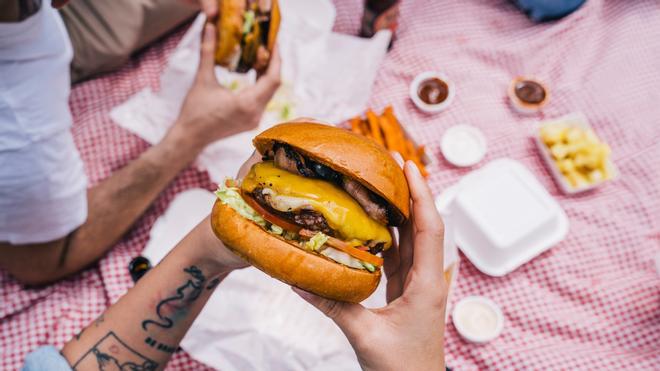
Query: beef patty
<point x="305" y="218"/>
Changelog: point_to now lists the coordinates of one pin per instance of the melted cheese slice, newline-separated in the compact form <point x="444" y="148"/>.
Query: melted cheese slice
<point x="343" y="214"/>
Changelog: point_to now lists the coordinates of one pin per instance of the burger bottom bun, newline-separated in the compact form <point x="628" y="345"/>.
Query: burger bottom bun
<point x="288" y="263"/>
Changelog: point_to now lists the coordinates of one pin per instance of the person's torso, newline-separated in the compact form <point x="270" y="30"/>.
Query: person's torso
<point x="34" y="79"/>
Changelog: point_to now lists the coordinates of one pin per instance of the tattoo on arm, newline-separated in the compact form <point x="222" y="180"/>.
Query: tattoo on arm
<point x="177" y="303"/>
<point x="213" y="284"/>
<point x="99" y="320"/>
<point x="160" y="346"/>
<point x="112" y="353"/>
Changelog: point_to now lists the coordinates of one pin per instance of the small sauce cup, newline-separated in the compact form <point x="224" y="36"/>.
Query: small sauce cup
<point x="478" y="319"/>
<point x="528" y="95"/>
<point x="432" y="92"/>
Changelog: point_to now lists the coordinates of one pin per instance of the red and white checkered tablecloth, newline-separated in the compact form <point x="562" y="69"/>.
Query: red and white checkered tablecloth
<point x="591" y="302"/>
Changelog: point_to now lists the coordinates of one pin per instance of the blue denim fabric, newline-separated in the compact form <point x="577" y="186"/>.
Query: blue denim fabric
<point x="46" y="358"/>
<point x="546" y="10"/>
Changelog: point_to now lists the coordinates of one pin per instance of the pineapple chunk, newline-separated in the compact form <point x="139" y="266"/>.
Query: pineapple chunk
<point x="566" y="166"/>
<point x="559" y="151"/>
<point x="576" y="179"/>
<point x="596" y="176"/>
<point x="587" y="162"/>
<point x="574" y="135"/>
<point x="553" y="133"/>
<point x="578" y="153"/>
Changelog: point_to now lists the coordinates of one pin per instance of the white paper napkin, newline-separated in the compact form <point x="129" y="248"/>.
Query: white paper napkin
<point x="326" y="75"/>
<point x="252" y="321"/>
<point x="185" y="211"/>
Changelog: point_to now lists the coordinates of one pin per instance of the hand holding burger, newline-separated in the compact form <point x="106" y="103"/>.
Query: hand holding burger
<point x="210" y="111"/>
<point x="315" y="211"/>
<point x="407" y="334"/>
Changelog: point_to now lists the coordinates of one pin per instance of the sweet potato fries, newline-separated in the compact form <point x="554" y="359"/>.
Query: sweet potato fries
<point x="387" y="131"/>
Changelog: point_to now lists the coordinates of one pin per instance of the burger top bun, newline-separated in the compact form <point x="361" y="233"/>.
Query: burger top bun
<point x="275" y="19"/>
<point x="230" y="30"/>
<point x="350" y="154"/>
<point x="279" y="259"/>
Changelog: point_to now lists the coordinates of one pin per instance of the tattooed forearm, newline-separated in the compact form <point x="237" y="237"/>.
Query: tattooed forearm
<point x="97" y="323"/>
<point x="112" y="353"/>
<point x="160" y="346"/>
<point x="185" y="294"/>
<point x="99" y="320"/>
<point x="213" y="284"/>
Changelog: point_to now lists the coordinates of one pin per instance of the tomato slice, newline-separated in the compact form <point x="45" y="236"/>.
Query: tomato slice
<point x="348" y="249"/>
<point x="356" y="253"/>
<point x="270" y="217"/>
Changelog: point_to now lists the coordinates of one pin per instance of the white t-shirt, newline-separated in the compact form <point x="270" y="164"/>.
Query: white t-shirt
<point x="42" y="180"/>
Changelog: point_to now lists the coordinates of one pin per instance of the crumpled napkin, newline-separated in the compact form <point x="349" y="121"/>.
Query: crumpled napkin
<point x="325" y="75"/>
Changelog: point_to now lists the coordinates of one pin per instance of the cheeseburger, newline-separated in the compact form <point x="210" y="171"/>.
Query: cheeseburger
<point x="315" y="212"/>
<point x="247" y="30"/>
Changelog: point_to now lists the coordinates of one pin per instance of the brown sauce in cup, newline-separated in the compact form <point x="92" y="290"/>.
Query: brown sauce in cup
<point x="530" y="91"/>
<point x="433" y="91"/>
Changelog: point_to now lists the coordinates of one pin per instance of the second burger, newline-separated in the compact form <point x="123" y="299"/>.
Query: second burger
<point x="247" y="30"/>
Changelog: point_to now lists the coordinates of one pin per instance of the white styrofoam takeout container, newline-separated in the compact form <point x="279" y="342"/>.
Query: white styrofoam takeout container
<point x="577" y="119"/>
<point x="502" y="216"/>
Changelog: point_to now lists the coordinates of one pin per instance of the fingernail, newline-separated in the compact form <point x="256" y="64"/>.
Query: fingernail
<point x="413" y="168"/>
<point x="397" y="157"/>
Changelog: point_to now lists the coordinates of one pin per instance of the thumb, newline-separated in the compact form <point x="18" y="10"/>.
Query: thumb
<point x="266" y="86"/>
<point x="209" y="7"/>
<point x="207" y="54"/>
<point x="351" y="318"/>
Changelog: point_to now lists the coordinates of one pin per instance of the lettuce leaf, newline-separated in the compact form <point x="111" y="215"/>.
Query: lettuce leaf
<point x="370" y="267"/>
<point x="231" y="197"/>
<point x="316" y="241"/>
<point x="276" y="229"/>
<point x="248" y="21"/>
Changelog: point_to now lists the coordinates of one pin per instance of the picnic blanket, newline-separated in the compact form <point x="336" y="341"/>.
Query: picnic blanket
<point x="591" y="302"/>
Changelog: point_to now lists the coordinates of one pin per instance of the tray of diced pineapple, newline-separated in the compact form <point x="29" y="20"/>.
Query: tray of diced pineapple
<point x="578" y="160"/>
